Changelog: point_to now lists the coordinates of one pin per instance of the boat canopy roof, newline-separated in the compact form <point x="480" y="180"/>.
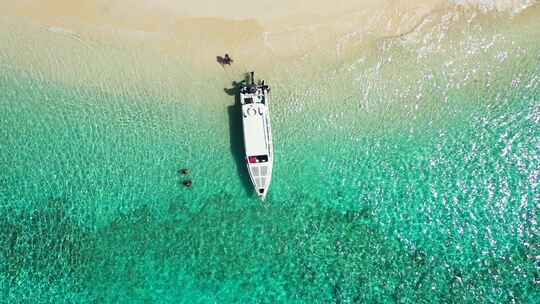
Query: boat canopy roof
<point x="255" y="129"/>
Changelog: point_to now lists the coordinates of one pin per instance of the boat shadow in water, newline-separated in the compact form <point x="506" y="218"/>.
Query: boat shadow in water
<point x="236" y="134"/>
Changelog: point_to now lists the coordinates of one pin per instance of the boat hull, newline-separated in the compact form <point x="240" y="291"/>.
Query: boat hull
<point x="257" y="136"/>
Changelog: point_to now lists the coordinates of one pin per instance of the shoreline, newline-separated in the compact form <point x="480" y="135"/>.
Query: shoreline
<point x="190" y="44"/>
<point x="288" y="29"/>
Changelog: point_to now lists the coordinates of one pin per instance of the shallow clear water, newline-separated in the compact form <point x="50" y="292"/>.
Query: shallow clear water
<point x="408" y="173"/>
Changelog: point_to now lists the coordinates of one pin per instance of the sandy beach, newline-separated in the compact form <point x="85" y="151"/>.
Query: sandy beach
<point x="283" y="37"/>
<point x="281" y="29"/>
<point x="100" y="44"/>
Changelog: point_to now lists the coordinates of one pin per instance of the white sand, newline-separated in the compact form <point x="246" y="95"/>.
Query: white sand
<point x="286" y="28"/>
<point x="257" y="34"/>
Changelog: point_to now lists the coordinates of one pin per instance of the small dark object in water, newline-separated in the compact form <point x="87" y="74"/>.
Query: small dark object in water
<point x="184" y="171"/>
<point x="225" y="60"/>
<point x="187" y="183"/>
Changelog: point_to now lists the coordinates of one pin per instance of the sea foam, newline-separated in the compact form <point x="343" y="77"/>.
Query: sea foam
<point x="512" y="6"/>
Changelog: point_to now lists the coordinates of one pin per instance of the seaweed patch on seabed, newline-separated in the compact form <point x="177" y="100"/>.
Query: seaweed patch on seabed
<point x="44" y="244"/>
<point x="325" y="255"/>
<point x="315" y="248"/>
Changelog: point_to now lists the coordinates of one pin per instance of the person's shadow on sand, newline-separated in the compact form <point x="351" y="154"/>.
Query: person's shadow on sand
<point x="225" y="60"/>
<point x="236" y="134"/>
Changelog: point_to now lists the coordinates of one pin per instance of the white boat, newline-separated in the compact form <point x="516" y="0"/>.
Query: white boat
<point x="257" y="134"/>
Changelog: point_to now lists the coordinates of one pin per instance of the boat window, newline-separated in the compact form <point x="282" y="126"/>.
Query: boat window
<point x="257" y="159"/>
<point x="248" y="100"/>
<point x="262" y="158"/>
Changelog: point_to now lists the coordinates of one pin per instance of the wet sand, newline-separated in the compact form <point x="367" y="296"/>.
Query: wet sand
<point x="278" y="29"/>
<point x="166" y="42"/>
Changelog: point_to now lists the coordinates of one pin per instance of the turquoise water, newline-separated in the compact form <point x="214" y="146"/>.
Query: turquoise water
<point x="406" y="174"/>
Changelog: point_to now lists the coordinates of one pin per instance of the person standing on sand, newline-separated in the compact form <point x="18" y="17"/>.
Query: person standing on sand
<point x="225" y="60"/>
<point x="228" y="60"/>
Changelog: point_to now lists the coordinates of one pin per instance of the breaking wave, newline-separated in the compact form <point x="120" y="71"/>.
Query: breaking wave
<point x="511" y="6"/>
